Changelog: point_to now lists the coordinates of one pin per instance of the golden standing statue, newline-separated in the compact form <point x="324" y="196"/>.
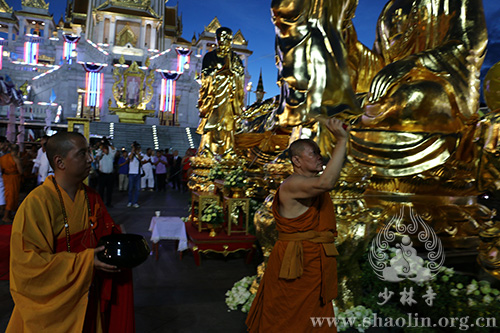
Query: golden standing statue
<point x="221" y="97"/>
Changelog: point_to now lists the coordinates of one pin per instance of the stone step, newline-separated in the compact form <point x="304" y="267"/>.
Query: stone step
<point x="174" y="138"/>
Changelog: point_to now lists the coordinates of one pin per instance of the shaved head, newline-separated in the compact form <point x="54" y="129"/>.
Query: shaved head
<point x="298" y="146"/>
<point x="60" y="144"/>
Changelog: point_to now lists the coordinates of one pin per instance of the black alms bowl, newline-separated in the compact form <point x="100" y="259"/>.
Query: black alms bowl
<point x="123" y="250"/>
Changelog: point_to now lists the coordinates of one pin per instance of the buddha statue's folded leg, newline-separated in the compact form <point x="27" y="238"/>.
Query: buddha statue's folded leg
<point x="420" y="106"/>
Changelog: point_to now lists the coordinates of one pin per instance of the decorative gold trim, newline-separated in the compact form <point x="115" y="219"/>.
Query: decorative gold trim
<point x="225" y="252"/>
<point x="238" y="39"/>
<point x="42" y="57"/>
<point x="126" y="35"/>
<point x="33" y="15"/>
<point x="40" y="4"/>
<point x="213" y="26"/>
<point x="145" y="5"/>
<point x="4" y="7"/>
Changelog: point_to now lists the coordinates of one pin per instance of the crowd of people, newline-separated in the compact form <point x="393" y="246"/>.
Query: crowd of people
<point x="19" y="171"/>
<point x="112" y="170"/>
<point x="135" y="170"/>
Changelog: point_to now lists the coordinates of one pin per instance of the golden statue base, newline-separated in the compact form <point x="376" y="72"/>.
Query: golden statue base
<point x="131" y="115"/>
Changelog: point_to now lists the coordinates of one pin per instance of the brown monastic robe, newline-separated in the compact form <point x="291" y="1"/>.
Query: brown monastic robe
<point x="300" y="280"/>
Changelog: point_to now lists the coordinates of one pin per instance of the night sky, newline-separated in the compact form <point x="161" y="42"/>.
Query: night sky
<point x="253" y="18"/>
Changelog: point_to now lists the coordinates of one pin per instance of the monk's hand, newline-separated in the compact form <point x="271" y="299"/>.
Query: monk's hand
<point x="338" y="128"/>
<point x="102" y="266"/>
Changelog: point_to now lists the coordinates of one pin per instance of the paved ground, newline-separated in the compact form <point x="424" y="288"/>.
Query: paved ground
<point x="172" y="294"/>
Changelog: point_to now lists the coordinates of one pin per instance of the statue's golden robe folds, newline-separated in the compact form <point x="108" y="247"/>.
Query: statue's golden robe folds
<point x="422" y="80"/>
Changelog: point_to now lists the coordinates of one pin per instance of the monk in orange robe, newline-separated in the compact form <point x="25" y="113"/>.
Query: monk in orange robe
<point x="56" y="280"/>
<point x="11" y="174"/>
<point x="300" y="280"/>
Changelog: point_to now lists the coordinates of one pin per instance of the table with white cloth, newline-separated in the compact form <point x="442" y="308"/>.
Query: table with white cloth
<point x="168" y="227"/>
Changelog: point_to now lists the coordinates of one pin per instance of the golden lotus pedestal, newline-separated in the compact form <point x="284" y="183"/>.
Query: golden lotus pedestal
<point x="131" y="115"/>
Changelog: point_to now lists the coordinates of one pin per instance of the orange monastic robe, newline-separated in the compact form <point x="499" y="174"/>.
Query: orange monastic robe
<point x="50" y="286"/>
<point x="287" y="304"/>
<point x="11" y="180"/>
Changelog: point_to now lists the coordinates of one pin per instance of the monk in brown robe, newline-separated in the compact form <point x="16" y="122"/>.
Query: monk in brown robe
<point x="300" y="280"/>
<point x="11" y="173"/>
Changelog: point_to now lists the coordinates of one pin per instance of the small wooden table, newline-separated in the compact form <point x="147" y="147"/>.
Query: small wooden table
<point x="168" y="227"/>
<point x="201" y="242"/>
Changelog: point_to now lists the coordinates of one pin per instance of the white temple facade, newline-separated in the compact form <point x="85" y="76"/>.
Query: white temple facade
<point x="83" y="66"/>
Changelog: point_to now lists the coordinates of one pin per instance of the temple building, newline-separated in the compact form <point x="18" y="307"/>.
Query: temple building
<point x="108" y="61"/>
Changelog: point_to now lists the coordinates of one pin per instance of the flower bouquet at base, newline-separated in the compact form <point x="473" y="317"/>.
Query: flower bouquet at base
<point x="216" y="173"/>
<point x="240" y="294"/>
<point x="235" y="180"/>
<point x="213" y="217"/>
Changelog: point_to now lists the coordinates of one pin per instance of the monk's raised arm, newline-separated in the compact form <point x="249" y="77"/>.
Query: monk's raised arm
<point x="305" y="183"/>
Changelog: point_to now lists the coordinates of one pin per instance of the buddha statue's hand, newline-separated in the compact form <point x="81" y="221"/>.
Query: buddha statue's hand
<point x="388" y="76"/>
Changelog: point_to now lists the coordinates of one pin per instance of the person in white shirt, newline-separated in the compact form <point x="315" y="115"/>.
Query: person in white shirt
<point x="148" y="181"/>
<point x="105" y="156"/>
<point x="134" y="174"/>
<point x="42" y="166"/>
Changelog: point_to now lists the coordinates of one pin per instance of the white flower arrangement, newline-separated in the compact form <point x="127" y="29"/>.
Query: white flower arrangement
<point x="477" y="292"/>
<point x="240" y="294"/>
<point x="235" y="178"/>
<point x="354" y="318"/>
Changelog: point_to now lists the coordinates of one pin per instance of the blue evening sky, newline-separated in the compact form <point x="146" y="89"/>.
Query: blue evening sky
<point x="253" y="18"/>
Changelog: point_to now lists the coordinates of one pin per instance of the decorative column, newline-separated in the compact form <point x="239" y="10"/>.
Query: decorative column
<point x="11" y="125"/>
<point x="21" y="27"/>
<point x="11" y="34"/>
<point x="45" y="30"/>
<point x="100" y="22"/>
<point x="142" y="36"/>
<point x="112" y="31"/>
<point x="152" y="37"/>
<point x="21" y="130"/>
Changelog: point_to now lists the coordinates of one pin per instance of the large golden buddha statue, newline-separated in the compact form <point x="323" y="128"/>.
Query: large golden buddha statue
<point x="418" y="86"/>
<point x="221" y="97"/>
<point x="412" y="100"/>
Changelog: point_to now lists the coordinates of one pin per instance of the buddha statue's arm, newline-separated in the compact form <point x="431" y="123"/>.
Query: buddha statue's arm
<point x="363" y="63"/>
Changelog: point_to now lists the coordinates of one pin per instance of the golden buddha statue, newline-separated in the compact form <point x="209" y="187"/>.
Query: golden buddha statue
<point x="221" y="97"/>
<point x="421" y="81"/>
<point x="412" y="101"/>
<point x="420" y="77"/>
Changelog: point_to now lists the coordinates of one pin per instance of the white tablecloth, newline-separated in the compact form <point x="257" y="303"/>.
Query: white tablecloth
<point x="169" y="227"/>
